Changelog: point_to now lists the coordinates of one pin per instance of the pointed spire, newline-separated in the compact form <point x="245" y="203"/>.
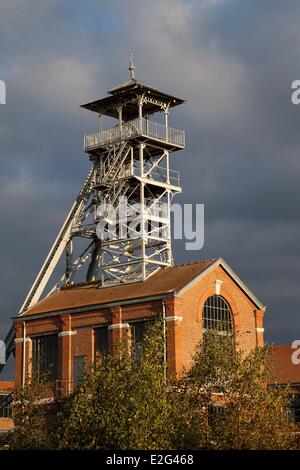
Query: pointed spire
<point x="131" y="65"/>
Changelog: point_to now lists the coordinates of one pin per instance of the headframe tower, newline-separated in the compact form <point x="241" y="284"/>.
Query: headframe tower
<point x="123" y="208"/>
<point x="121" y="216"/>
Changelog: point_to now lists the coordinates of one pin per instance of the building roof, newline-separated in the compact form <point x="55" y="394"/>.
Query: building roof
<point x="176" y="279"/>
<point x="6" y="386"/>
<point x="283" y="370"/>
<point x="124" y="94"/>
<point x="165" y="280"/>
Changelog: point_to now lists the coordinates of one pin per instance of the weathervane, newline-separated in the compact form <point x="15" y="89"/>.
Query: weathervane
<point x="131" y="65"/>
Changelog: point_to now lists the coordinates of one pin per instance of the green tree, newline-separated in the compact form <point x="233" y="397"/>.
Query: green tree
<point x="223" y="401"/>
<point x="31" y="430"/>
<point x="123" y="403"/>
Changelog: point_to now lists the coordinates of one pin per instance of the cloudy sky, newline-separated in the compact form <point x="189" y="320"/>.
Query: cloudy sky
<point x="232" y="60"/>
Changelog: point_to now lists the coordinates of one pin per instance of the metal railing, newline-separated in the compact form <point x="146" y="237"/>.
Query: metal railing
<point x="137" y="127"/>
<point x="159" y="173"/>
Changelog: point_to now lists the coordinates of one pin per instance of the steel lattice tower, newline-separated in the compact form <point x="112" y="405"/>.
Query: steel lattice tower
<point x="122" y="212"/>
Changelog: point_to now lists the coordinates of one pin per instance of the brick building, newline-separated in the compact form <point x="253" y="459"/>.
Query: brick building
<point x="286" y="372"/>
<point x="75" y="325"/>
<point x="127" y="261"/>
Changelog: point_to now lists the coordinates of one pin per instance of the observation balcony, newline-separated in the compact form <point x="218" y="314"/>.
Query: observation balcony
<point x="140" y="127"/>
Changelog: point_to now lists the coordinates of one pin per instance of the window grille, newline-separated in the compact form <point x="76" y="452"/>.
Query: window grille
<point x="79" y="364"/>
<point x="101" y="345"/>
<point x="216" y="315"/>
<point x="138" y="331"/>
<point x="45" y="357"/>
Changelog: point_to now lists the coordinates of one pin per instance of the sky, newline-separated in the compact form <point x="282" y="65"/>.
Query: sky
<point x="233" y="61"/>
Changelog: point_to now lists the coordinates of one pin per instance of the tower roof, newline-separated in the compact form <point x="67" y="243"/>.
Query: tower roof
<point x="124" y="93"/>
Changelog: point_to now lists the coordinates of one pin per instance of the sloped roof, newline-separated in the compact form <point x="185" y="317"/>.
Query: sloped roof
<point x="283" y="369"/>
<point x="6" y="386"/>
<point x="143" y="86"/>
<point x="176" y="279"/>
<point x="124" y="93"/>
<point x="87" y="294"/>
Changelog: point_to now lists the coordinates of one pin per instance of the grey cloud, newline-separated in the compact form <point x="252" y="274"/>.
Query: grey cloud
<point x="233" y="61"/>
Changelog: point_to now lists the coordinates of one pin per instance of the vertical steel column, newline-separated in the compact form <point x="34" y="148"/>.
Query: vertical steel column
<point x="140" y="104"/>
<point x="101" y="124"/>
<point x="120" y="119"/>
<point x="141" y="155"/>
<point x="142" y="211"/>
<point x="166" y="114"/>
<point x="168" y="166"/>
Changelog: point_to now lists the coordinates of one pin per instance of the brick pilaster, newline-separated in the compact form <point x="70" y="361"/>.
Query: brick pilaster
<point x="18" y="354"/>
<point x="65" y="370"/>
<point x="118" y="329"/>
<point x="259" y="327"/>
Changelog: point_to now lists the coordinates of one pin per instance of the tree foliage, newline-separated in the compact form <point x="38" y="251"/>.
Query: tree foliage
<point x="221" y="402"/>
<point x="224" y="401"/>
<point x="31" y="429"/>
<point x="123" y="403"/>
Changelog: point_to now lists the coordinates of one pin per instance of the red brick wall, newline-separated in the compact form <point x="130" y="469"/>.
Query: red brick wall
<point x="82" y="345"/>
<point x="182" y="335"/>
<point x="190" y="306"/>
<point x="6" y="424"/>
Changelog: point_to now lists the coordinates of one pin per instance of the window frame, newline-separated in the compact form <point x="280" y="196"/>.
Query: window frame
<point x="41" y="366"/>
<point x="106" y="351"/>
<point x="76" y="379"/>
<point x="136" y="348"/>
<point x="215" y="312"/>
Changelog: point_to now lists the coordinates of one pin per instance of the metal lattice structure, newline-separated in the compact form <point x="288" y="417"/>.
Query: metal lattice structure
<point x="122" y="212"/>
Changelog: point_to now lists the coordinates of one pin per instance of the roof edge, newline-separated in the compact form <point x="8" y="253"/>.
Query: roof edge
<point x="241" y="284"/>
<point x="198" y="277"/>
<point x="221" y="262"/>
<point x="88" y="308"/>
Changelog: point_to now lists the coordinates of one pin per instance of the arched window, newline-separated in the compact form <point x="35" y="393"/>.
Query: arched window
<point x="216" y="315"/>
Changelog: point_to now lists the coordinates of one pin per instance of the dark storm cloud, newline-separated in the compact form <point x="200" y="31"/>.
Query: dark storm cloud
<point x="233" y="61"/>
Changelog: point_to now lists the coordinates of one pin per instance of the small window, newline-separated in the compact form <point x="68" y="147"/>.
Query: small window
<point x="295" y="409"/>
<point x="79" y="363"/>
<point x="216" y="315"/>
<point x="45" y="357"/>
<point x="5" y="408"/>
<point x="215" y="413"/>
<point x="101" y="346"/>
<point x="138" y="331"/>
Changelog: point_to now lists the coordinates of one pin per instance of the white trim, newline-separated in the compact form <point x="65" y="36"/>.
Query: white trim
<point x="174" y="318"/>
<point x="260" y="330"/>
<point x="118" y="325"/>
<point x="20" y="340"/>
<point x="67" y="333"/>
<point x="218" y="285"/>
<point x="198" y="278"/>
